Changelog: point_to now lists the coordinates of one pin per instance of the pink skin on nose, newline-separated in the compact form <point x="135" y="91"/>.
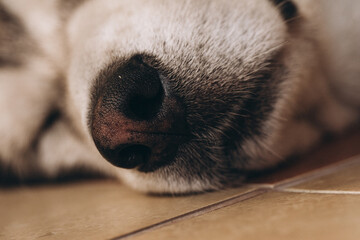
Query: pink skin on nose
<point x="162" y="134"/>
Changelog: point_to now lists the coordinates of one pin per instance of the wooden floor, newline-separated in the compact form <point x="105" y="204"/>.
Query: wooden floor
<point x="316" y="197"/>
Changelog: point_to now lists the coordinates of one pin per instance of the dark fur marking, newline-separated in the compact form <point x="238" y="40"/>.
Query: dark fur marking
<point x="256" y="108"/>
<point x="14" y="42"/>
<point x="253" y="109"/>
<point x="9" y="178"/>
<point x="287" y="8"/>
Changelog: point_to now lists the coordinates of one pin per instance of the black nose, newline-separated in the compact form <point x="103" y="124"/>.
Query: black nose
<point x="133" y="120"/>
<point x="139" y="90"/>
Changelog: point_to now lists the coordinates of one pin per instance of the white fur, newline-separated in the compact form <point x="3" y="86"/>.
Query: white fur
<point x="322" y="55"/>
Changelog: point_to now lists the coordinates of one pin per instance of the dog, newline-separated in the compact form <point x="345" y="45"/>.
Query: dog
<point x="173" y="96"/>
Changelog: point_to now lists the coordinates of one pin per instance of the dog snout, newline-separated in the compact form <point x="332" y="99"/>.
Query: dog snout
<point x="134" y="122"/>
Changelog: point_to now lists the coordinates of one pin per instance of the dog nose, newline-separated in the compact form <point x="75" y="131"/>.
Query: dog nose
<point x="134" y="120"/>
<point x="139" y="92"/>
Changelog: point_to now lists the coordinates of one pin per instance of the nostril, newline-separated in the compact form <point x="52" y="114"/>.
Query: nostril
<point x="128" y="155"/>
<point x="133" y="156"/>
<point x="143" y="107"/>
<point x="137" y="89"/>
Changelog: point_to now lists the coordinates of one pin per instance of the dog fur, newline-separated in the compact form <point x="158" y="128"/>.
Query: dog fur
<point x="260" y="81"/>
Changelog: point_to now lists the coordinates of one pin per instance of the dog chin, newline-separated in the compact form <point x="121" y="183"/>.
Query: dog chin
<point x="163" y="181"/>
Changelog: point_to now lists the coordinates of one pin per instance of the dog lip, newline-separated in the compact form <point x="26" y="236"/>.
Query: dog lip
<point x="167" y="134"/>
<point x="148" y="168"/>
